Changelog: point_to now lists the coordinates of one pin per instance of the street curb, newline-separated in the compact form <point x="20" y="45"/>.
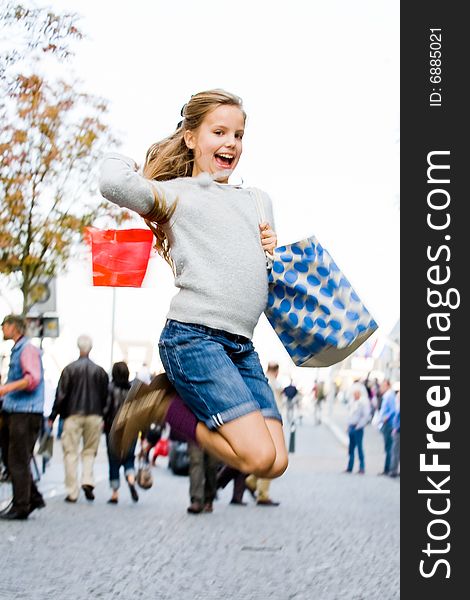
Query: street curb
<point x="336" y="431"/>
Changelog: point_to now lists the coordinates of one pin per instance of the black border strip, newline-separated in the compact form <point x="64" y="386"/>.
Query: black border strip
<point x="434" y="234"/>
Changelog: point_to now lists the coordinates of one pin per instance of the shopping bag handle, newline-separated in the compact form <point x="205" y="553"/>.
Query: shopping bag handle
<point x="262" y="219"/>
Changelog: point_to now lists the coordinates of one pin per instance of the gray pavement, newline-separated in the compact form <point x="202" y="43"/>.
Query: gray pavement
<point x="335" y="536"/>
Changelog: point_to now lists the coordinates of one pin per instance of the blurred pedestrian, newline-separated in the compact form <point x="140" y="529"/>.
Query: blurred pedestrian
<point x="359" y="416"/>
<point x="80" y="399"/>
<point x="319" y="397"/>
<point x="371" y="387"/>
<point x="22" y="415"/>
<point x="149" y="441"/>
<point x="144" y="373"/>
<point x="117" y="392"/>
<point x="202" y="479"/>
<point x="259" y="486"/>
<point x="333" y="394"/>
<point x="377" y="395"/>
<point x="60" y="427"/>
<point x="46" y="438"/>
<point x="225" y="474"/>
<point x="239" y="488"/>
<point x="395" y="460"/>
<point x="272" y="374"/>
<point x="290" y="391"/>
<point x="291" y="394"/>
<point x="386" y="417"/>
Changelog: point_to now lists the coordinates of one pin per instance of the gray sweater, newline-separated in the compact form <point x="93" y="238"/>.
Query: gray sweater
<point x="215" y="244"/>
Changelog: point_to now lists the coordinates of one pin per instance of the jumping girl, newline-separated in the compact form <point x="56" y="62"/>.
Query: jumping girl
<point x="209" y="232"/>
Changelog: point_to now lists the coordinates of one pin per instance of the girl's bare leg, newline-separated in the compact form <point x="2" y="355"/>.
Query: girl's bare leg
<point x="282" y="458"/>
<point x="250" y="444"/>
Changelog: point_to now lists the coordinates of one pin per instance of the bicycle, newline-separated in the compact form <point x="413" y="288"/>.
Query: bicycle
<point x="6" y="488"/>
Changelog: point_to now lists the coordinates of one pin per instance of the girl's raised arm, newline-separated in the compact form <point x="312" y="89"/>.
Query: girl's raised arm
<point x="120" y="183"/>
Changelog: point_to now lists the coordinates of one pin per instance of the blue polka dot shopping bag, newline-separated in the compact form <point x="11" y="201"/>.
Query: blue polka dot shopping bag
<point x="312" y="307"/>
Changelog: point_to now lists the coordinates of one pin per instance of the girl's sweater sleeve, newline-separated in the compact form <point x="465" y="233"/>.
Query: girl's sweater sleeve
<point x="120" y="183"/>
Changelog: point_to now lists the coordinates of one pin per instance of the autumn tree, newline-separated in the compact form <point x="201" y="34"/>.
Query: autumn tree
<point x="52" y="138"/>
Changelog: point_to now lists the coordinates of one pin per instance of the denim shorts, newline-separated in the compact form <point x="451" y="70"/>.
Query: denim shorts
<point x="218" y="374"/>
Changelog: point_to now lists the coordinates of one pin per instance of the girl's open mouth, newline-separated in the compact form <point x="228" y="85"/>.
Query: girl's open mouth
<point x="224" y="160"/>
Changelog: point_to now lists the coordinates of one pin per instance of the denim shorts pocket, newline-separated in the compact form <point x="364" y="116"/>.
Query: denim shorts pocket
<point x="181" y="348"/>
<point x="181" y="334"/>
<point x="163" y="351"/>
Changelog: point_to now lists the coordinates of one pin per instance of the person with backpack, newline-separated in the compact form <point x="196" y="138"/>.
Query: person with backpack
<point x="117" y="392"/>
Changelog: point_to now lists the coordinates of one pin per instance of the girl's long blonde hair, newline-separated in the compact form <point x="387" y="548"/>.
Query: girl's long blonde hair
<point x="171" y="158"/>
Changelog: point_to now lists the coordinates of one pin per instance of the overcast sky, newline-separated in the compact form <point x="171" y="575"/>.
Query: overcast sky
<point x="320" y="84"/>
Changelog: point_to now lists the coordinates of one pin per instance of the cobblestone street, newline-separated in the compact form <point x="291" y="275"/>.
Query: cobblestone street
<point x="334" y="536"/>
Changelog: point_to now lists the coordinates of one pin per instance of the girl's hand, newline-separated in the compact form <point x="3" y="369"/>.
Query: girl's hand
<point x="268" y="237"/>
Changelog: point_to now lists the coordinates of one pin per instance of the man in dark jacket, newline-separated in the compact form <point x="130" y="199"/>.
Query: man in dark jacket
<point x="23" y="401"/>
<point x="80" y="400"/>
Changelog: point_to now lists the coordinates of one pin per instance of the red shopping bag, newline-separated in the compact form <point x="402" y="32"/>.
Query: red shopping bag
<point x="161" y="448"/>
<point x="120" y="257"/>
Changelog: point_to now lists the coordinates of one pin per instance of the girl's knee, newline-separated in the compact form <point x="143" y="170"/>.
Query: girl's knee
<point x="261" y="462"/>
<point x="276" y="469"/>
<point x="279" y="467"/>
